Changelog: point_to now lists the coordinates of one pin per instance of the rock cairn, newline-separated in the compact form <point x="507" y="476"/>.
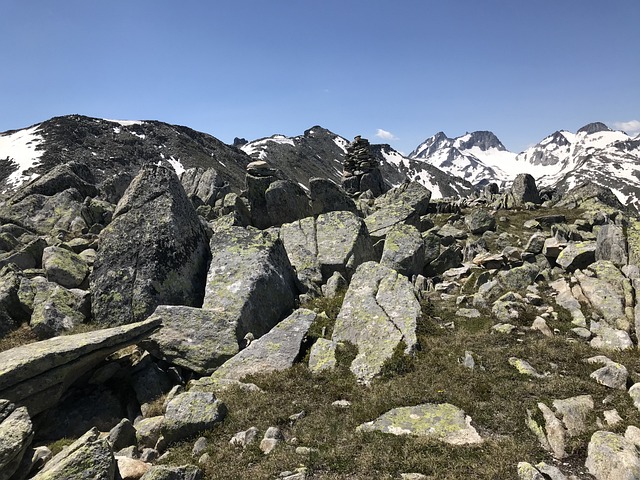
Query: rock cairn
<point x="361" y="172"/>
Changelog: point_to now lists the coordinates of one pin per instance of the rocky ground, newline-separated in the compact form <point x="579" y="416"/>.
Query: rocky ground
<point x="277" y="333"/>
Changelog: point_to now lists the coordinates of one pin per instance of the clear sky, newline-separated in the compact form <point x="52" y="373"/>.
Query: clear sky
<point x="400" y="69"/>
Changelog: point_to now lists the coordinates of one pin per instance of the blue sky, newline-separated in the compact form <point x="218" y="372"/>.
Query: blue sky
<point x="404" y="69"/>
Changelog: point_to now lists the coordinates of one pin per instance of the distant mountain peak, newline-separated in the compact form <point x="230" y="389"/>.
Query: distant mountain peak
<point x="594" y="127"/>
<point x="483" y="139"/>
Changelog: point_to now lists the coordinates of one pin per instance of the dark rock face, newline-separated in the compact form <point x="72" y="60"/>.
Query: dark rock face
<point x="524" y="190"/>
<point x="326" y="197"/>
<point x="594" y="127"/>
<point x="155" y="251"/>
<point x="286" y="202"/>
<point x="206" y="184"/>
<point x="589" y="192"/>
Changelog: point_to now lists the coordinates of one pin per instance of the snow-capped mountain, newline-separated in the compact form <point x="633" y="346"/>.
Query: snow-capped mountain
<point x="561" y="160"/>
<point x="322" y="153"/>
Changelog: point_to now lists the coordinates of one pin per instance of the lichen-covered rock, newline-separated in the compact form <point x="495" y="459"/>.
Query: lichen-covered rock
<point x="326" y="197"/>
<point x="16" y="434"/>
<point x="404" y="250"/>
<point x="27" y="256"/>
<point x="286" y="202"/>
<point x="612" y="457"/>
<point x="337" y="241"/>
<point x="165" y="472"/>
<point x="154" y="252"/>
<point x="443" y="422"/>
<point x="518" y="278"/>
<point x="250" y="284"/>
<point x="403" y="204"/>
<point x="611" y="244"/>
<point x="379" y="312"/>
<point x="574" y="412"/>
<point x="89" y="457"/>
<point x="276" y="350"/>
<point x="194" y="338"/>
<point x="605" y="292"/>
<point x="449" y="257"/>
<point x="190" y="413"/>
<point x="479" y="221"/>
<point x="205" y="184"/>
<point x="535" y="244"/>
<point x="612" y="375"/>
<point x="577" y="255"/>
<point x="64" y="267"/>
<point x="38" y="374"/>
<point x="56" y="310"/>
<point x="322" y="355"/>
<point x="526" y="471"/>
<point x="523" y="190"/>
<point x="149" y="430"/>
<point x="565" y="299"/>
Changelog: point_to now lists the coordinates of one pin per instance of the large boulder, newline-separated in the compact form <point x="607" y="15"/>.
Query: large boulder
<point x="277" y="350"/>
<point x="443" y="422"/>
<point x="336" y="241"/>
<point x="154" y="252"/>
<point x="611" y="244"/>
<point x="286" y="202"/>
<point x="190" y="413"/>
<point x="403" y="204"/>
<point x="479" y="221"/>
<point x="38" y="374"/>
<point x="16" y="434"/>
<point x="205" y="184"/>
<point x="193" y="338"/>
<point x="326" y="197"/>
<point x="64" y="267"/>
<point x="165" y="472"/>
<point x="404" y="250"/>
<point x="577" y="255"/>
<point x="523" y="190"/>
<point x="250" y="284"/>
<point x="379" y="313"/>
<point x="56" y="309"/>
<point x="89" y="457"/>
<point x="612" y="457"/>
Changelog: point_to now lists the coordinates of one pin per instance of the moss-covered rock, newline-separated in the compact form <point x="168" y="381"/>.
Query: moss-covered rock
<point x="64" y="267"/>
<point x="190" y="413"/>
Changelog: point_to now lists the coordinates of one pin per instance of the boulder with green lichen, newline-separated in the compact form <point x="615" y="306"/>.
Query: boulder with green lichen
<point x="612" y="457"/>
<point x="190" y="413"/>
<point x="64" y="267"/>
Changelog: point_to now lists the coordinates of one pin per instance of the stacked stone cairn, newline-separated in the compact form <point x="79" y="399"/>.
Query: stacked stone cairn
<point x="361" y="172"/>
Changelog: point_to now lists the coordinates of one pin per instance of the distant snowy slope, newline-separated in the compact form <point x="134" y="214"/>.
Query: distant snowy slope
<point x="19" y="152"/>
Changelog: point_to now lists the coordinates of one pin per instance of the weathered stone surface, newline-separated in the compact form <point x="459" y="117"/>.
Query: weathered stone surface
<point x="565" y="299"/>
<point x="612" y="457"/>
<point x="524" y="189"/>
<point x="16" y="434"/>
<point x="194" y="338"/>
<point x="322" y="355"/>
<point x="190" y="413"/>
<point x="131" y="468"/>
<point x="148" y="431"/>
<point x="443" y="422"/>
<point x="577" y="255"/>
<point x="205" y="184"/>
<point x="154" y="252"/>
<point x="379" y="311"/>
<point x="526" y="471"/>
<point x="612" y="375"/>
<point x="608" y="338"/>
<point x="611" y="244"/>
<point x="276" y="350"/>
<point x="479" y="221"/>
<point x="518" y="278"/>
<point x="55" y="310"/>
<point x="28" y="256"/>
<point x="574" y="413"/>
<point x="122" y="435"/>
<point x="535" y="244"/>
<point x="286" y="202"/>
<point x="556" y="433"/>
<point x="403" y="204"/>
<point x="450" y="257"/>
<point x="404" y="250"/>
<point x="326" y="197"/>
<point x="36" y="375"/>
<point x="164" y="472"/>
<point x="89" y="457"/>
<point x="333" y="242"/>
<point x="64" y="267"/>
<point x="250" y="284"/>
<point x="605" y="292"/>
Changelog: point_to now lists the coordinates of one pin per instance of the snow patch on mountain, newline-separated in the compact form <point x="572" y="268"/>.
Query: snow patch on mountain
<point x="21" y="147"/>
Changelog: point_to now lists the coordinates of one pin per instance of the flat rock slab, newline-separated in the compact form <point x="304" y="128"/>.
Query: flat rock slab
<point x="36" y="375"/>
<point x="379" y="311"/>
<point x="444" y="422"/>
<point x="277" y="350"/>
<point x="193" y="338"/>
<point x="250" y="282"/>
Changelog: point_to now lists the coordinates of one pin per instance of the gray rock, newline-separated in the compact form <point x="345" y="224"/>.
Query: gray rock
<point x="605" y="292"/>
<point x="64" y="267"/>
<point x="122" y="435"/>
<point x="244" y="438"/>
<point x="443" y="422"/>
<point x="403" y="204"/>
<point x="131" y="468"/>
<point x="193" y="338"/>
<point x="190" y="413"/>
<point x="379" y="311"/>
<point x="250" y="284"/>
<point x="404" y="250"/>
<point x="574" y="413"/>
<point x="479" y="221"/>
<point x="612" y="375"/>
<point x="450" y="257"/>
<point x="326" y="197"/>
<point x="526" y="471"/>
<point x="577" y="255"/>
<point x="609" y="339"/>
<point x="149" y="382"/>
<point x="88" y="457"/>
<point x="16" y="434"/>
<point x="556" y="433"/>
<point x="335" y="285"/>
<point x="277" y="350"/>
<point x="148" y="431"/>
<point x="205" y="184"/>
<point x="38" y="374"/>
<point x="611" y="244"/>
<point x="286" y="202"/>
<point x="431" y="247"/>
<point x="535" y="244"/>
<point x="524" y="189"/>
<point x="322" y="355"/>
<point x="154" y="251"/>
<point x="518" y="278"/>
<point x="634" y="393"/>
<point x="28" y="256"/>
<point x="565" y="299"/>
<point x="164" y="472"/>
<point x="55" y="310"/>
<point x="612" y="457"/>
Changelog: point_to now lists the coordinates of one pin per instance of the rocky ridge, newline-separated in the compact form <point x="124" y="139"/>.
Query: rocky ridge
<point x="497" y="332"/>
